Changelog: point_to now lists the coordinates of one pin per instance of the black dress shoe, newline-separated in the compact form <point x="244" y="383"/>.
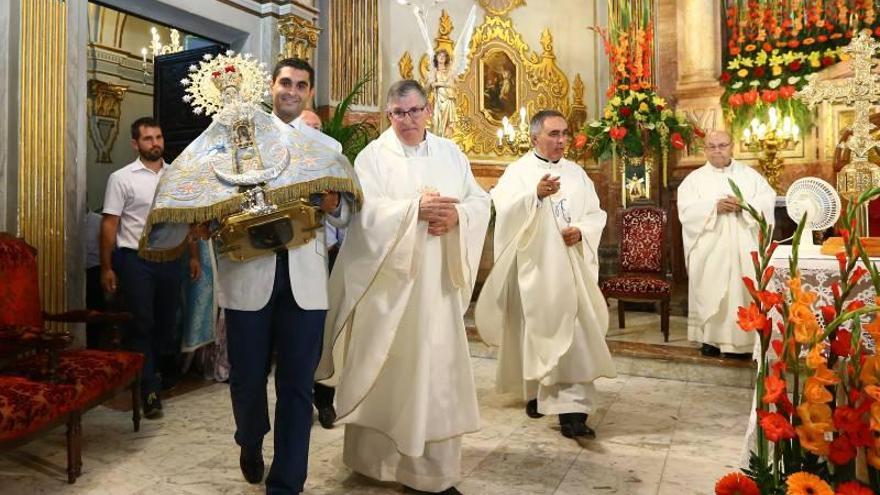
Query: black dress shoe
<point x="449" y="491"/>
<point x="710" y="350"/>
<point x="326" y="416"/>
<point x="574" y="425"/>
<point x="532" y="409"/>
<point x="152" y="406"/>
<point x="252" y="466"/>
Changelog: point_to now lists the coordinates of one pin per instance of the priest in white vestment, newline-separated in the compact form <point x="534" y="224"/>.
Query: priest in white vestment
<point x="542" y="302"/>
<point x="398" y="293"/>
<point x="718" y="239"/>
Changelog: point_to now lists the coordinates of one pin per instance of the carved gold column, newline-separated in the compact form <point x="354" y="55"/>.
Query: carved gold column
<point x="104" y="107"/>
<point x="41" y="142"/>
<point x="300" y="37"/>
<point x="354" y="49"/>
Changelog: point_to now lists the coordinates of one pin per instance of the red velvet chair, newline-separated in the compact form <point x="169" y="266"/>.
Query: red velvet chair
<point x="641" y="263"/>
<point x="42" y="384"/>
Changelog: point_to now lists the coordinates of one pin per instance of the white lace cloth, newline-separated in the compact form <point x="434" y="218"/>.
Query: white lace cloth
<point x="817" y="272"/>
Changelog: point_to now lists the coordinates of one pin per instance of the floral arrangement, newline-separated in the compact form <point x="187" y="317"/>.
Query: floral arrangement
<point x="818" y="388"/>
<point x="635" y="116"/>
<point x="774" y="46"/>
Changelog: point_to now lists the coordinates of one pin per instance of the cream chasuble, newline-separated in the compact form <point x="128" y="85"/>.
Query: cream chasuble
<point x="717" y="251"/>
<point x="542" y="302"/>
<point x="397" y="300"/>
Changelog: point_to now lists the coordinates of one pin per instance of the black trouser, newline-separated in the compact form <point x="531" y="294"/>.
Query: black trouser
<point x="151" y="292"/>
<point x="323" y="393"/>
<point x="295" y="334"/>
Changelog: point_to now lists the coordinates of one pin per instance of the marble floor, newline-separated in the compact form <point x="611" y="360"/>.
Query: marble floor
<point x="644" y="327"/>
<point x="654" y="437"/>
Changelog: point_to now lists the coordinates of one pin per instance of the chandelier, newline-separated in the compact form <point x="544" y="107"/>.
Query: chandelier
<point x="514" y="138"/>
<point x="157" y="48"/>
<point x="770" y="138"/>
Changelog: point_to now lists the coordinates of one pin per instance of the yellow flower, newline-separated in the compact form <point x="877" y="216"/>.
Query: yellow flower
<point x="776" y="70"/>
<point x="608" y="113"/>
<point x="643" y="107"/>
<point x="659" y="102"/>
<point x="742" y="72"/>
<point x="615" y="101"/>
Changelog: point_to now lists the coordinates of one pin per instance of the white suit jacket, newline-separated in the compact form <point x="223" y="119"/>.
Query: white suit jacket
<point x="247" y="286"/>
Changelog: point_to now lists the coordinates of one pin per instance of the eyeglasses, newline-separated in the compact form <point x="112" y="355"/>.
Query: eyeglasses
<point x="399" y="115"/>
<point x="718" y="147"/>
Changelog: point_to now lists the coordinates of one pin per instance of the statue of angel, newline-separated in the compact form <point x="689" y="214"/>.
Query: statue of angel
<point x="445" y="69"/>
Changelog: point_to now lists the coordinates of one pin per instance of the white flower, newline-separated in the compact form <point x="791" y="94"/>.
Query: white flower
<point x="736" y="85"/>
<point x="193" y="68"/>
<point x="774" y="83"/>
<point x="755" y="83"/>
<point x="185" y="81"/>
<point x="187" y="98"/>
<point x="230" y="53"/>
<point x="207" y="56"/>
<point x="794" y="79"/>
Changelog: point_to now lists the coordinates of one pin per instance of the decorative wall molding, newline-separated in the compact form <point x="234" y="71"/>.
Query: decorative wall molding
<point x="104" y="109"/>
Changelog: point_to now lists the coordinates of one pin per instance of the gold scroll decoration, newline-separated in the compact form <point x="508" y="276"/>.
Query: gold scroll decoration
<point x="405" y="66"/>
<point x="502" y="75"/>
<point x="500" y="7"/>
<point x="42" y="197"/>
<point x="300" y="37"/>
<point x="105" y="104"/>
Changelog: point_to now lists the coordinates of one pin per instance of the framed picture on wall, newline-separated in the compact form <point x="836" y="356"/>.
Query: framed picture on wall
<point x="498" y="82"/>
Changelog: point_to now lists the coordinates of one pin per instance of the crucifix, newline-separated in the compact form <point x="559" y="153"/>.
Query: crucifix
<point x="862" y="92"/>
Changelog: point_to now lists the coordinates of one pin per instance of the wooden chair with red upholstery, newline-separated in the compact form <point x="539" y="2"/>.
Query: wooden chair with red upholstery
<point x="43" y="384"/>
<point x="641" y="259"/>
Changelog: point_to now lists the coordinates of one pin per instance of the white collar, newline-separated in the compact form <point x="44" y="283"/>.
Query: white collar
<point x="139" y="165"/>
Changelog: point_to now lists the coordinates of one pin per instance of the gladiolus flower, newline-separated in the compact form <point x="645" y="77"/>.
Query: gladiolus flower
<point x="802" y="483"/>
<point x="847" y="419"/>
<point x="770" y="299"/>
<point x="828" y="313"/>
<point x="580" y="141"/>
<point x="835" y="289"/>
<point x="736" y="484"/>
<point x="842" y="343"/>
<point x="735" y="100"/>
<point x="775" y="426"/>
<point x="751" y="318"/>
<point x="787" y="91"/>
<point x="841" y="451"/>
<point x="700" y="133"/>
<point x="857" y="274"/>
<point x="775" y="389"/>
<point x="677" y="141"/>
<point x="617" y="133"/>
<point x="815" y="358"/>
<point x="853" y="488"/>
<point x="816" y="416"/>
<point x="825" y="376"/>
<point x="854" y="305"/>
<point x="815" y="392"/>
<point x="813" y="439"/>
<point x="769" y="95"/>
<point x="841" y="261"/>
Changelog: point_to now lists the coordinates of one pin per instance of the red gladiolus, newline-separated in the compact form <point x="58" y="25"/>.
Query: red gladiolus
<point x="759" y="71"/>
<point x="853" y="488"/>
<point x="842" y="343"/>
<point x="772" y="248"/>
<point x="845" y="234"/>
<point x="626" y="111"/>
<point x="750" y="97"/>
<point x="857" y="274"/>
<point x="835" y="289"/>
<point x="751" y="318"/>
<point x="677" y="141"/>
<point x="847" y="420"/>
<point x="770" y="299"/>
<point x="735" y="100"/>
<point x="795" y="66"/>
<point x="769" y="95"/>
<point x="734" y="51"/>
<point x="617" y="133"/>
<point x="776" y="344"/>
<point x="755" y="261"/>
<point x="768" y="274"/>
<point x="750" y="286"/>
<point x="854" y="305"/>
<point x="826" y="61"/>
<point x="700" y="133"/>
<point x="841" y="260"/>
<point x="787" y="91"/>
<point x="737" y="484"/>
<point x="841" y="451"/>
<point x="580" y="141"/>
<point x="725" y="77"/>
<point x="828" y="313"/>
<point x="775" y="426"/>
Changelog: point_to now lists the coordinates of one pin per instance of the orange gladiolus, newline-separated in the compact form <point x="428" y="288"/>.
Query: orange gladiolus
<point x="751" y="318"/>
<point x="813" y="440"/>
<point x="806" y="332"/>
<point x="775" y="389"/>
<point x="873" y="457"/>
<point x="816" y="416"/>
<point x="874" y="328"/>
<point x="825" y="376"/>
<point x="815" y="357"/>
<point x="869" y="374"/>
<point x="815" y="392"/>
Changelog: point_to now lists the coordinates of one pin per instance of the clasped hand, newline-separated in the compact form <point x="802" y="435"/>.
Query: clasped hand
<point x="728" y="204"/>
<point x="439" y="212"/>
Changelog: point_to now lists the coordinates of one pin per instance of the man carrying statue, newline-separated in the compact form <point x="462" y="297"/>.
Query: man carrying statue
<point x="260" y="188"/>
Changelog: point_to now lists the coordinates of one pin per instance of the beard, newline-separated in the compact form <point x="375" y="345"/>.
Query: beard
<point x="153" y="153"/>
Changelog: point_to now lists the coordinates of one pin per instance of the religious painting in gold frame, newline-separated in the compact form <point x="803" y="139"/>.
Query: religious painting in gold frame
<point x="499" y="77"/>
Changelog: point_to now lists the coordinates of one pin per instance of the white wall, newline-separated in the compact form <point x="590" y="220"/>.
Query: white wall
<point x="576" y="48"/>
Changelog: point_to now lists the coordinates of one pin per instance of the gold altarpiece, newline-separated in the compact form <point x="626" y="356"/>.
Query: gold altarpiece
<point x="534" y="81"/>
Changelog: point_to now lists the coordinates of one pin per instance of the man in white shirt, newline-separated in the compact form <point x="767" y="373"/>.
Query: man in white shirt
<point x="277" y="304"/>
<point x="718" y="237"/>
<point x="542" y="304"/>
<point x="150" y="290"/>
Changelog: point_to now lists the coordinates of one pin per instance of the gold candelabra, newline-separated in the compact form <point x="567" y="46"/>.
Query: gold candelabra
<point x="514" y="138"/>
<point x="157" y="48"/>
<point x="770" y="138"/>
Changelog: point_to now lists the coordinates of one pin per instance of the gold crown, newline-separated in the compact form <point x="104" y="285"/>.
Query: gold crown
<point x="214" y="75"/>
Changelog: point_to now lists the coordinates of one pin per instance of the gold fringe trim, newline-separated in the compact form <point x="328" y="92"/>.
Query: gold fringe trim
<point x="234" y="205"/>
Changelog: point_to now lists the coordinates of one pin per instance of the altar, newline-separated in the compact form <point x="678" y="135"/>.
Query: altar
<point x="817" y="271"/>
